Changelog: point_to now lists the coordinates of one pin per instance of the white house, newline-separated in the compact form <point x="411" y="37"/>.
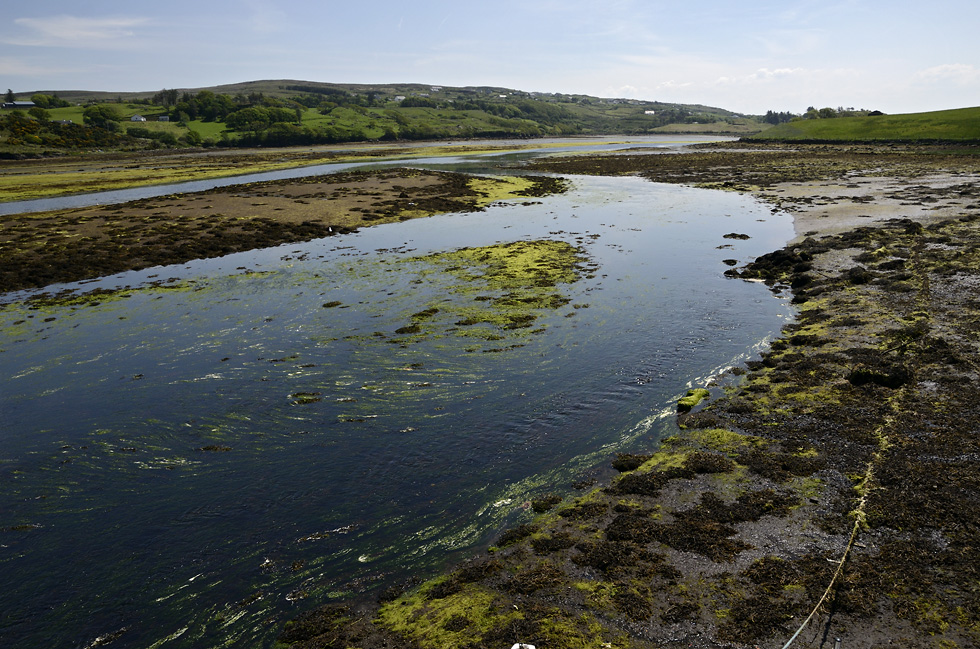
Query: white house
<point x="137" y="118"/>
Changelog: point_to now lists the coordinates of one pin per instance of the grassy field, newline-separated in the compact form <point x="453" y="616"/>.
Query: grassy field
<point x="960" y="125"/>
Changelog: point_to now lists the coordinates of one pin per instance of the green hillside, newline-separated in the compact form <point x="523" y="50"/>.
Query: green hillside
<point x="959" y="125"/>
<point x="284" y="113"/>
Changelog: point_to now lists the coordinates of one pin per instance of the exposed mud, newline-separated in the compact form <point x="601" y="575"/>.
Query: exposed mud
<point x="39" y="249"/>
<point x="72" y="174"/>
<point x="843" y="468"/>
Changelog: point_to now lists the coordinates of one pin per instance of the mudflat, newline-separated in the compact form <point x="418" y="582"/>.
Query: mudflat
<point x="40" y="249"/>
<point x="58" y="175"/>
<point x="829" y="489"/>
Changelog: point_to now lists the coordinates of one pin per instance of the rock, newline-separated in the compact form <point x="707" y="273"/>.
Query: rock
<point x="691" y="399"/>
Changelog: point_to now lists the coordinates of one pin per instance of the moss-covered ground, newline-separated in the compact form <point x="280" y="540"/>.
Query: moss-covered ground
<point x="846" y="457"/>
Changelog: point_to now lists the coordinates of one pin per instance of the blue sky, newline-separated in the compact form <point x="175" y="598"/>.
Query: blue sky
<point x="894" y="56"/>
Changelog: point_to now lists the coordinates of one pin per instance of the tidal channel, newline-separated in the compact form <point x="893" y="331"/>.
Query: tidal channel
<point x="207" y="450"/>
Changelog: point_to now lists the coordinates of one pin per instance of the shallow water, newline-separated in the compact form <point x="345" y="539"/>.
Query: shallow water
<point x="342" y="456"/>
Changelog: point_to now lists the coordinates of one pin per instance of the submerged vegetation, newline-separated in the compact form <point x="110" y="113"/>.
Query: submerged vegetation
<point x="505" y="287"/>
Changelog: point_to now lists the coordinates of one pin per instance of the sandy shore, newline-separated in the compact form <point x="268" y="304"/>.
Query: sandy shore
<point x="830" y="207"/>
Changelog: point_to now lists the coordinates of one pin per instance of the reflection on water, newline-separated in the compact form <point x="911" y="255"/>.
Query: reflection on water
<point x="190" y="464"/>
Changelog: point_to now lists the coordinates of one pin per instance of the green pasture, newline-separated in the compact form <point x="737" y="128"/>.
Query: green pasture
<point x="962" y="124"/>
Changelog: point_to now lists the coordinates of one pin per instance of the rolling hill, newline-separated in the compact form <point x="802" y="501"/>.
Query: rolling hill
<point x="958" y="125"/>
<point x="290" y="112"/>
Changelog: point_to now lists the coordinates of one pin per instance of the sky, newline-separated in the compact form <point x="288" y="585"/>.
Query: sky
<point x="896" y="56"/>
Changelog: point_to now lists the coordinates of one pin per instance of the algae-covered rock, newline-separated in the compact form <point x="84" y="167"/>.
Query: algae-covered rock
<point x="691" y="399"/>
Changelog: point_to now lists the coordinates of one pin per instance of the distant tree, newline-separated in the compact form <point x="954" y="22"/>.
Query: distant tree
<point x="48" y="101"/>
<point x="773" y="117"/>
<point x="10" y="98"/>
<point x="248" y="119"/>
<point x="166" y="98"/>
<point x="39" y="114"/>
<point x="186" y="107"/>
<point x="168" y="139"/>
<point x="103" y="116"/>
<point x="308" y="100"/>
<point x="827" y="113"/>
<point x="211" y="107"/>
<point x="399" y="118"/>
<point x="192" y="138"/>
<point x="418" y="102"/>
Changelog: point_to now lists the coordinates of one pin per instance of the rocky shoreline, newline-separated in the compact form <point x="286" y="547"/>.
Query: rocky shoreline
<point x="839" y="473"/>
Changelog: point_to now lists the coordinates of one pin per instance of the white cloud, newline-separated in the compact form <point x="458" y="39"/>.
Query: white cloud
<point x="793" y="42"/>
<point x="762" y="75"/>
<point x="627" y="91"/>
<point x="16" y="67"/>
<point x="670" y="84"/>
<point x="77" y="32"/>
<point x="960" y="74"/>
<point x="266" y="18"/>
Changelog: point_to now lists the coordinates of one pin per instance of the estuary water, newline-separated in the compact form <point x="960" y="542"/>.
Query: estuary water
<point x="195" y="459"/>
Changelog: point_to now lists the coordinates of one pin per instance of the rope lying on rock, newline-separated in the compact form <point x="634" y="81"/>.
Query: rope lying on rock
<point x="858" y="513"/>
<point x="858" y="522"/>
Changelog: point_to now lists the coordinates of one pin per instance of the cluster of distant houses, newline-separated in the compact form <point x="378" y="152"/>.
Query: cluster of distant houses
<point x="27" y="105"/>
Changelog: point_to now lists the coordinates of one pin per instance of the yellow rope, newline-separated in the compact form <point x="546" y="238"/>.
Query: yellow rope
<point x="860" y="517"/>
<point x="840" y="568"/>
